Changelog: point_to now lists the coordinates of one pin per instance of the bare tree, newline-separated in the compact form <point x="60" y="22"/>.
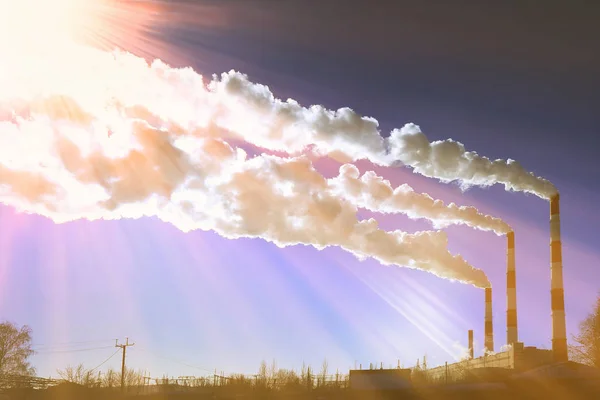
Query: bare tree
<point x="239" y="381"/>
<point x="15" y="350"/>
<point x="273" y="374"/>
<point x="586" y="347"/>
<point x="322" y="378"/>
<point x="79" y="375"/>
<point x="307" y="378"/>
<point x="111" y="379"/>
<point x="287" y="379"/>
<point x="134" y="378"/>
<point x="262" y="378"/>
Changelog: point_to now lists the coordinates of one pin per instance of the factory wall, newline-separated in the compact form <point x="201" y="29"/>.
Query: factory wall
<point x="517" y="358"/>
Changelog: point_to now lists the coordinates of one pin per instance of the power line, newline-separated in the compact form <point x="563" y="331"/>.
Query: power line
<point x="210" y="371"/>
<point x="104" y="362"/>
<point x="70" y="351"/>
<point x="60" y="344"/>
<point x="177" y="361"/>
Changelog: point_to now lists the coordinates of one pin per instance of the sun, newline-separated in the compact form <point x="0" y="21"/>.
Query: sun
<point x="39" y="26"/>
<point x="27" y="24"/>
<point x="35" y="20"/>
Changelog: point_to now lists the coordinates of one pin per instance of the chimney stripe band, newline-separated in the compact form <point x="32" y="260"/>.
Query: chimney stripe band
<point x="558" y="299"/>
<point x="511" y="318"/>
<point x="511" y="299"/>
<point x="556" y="252"/>
<point x="511" y="280"/>
<point x="554" y="205"/>
<point x="510" y="236"/>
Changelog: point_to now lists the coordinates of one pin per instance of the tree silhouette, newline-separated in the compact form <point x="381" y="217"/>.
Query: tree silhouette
<point x="586" y="347"/>
<point x="110" y="379"/>
<point x="15" y="350"/>
<point x="79" y="375"/>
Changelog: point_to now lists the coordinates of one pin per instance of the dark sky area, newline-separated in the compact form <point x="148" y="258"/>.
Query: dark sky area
<point x="511" y="79"/>
<point x="527" y="73"/>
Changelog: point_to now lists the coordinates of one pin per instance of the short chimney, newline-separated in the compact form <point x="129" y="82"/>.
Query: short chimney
<point x="489" y="328"/>
<point x="511" y="291"/>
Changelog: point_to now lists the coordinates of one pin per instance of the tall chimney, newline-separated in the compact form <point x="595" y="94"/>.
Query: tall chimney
<point x="471" y="344"/>
<point x="489" y="328"/>
<point x="511" y="291"/>
<point x="557" y="294"/>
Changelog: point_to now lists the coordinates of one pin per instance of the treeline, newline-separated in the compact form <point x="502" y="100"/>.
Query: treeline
<point x="275" y="378"/>
<point x="108" y="379"/>
<point x="267" y="377"/>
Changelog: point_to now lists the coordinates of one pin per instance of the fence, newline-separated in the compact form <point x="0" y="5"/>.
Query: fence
<point x="24" y="381"/>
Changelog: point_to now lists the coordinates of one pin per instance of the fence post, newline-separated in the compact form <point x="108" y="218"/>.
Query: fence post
<point x="446" y="372"/>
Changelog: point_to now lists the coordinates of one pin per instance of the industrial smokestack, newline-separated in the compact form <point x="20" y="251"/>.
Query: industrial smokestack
<point x="489" y="328"/>
<point x="559" y="329"/>
<point x="471" y="344"/>
<point x="511" y="291"/>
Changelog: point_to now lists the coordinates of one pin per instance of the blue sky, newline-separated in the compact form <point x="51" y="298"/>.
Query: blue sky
<point x="508" y="82"/>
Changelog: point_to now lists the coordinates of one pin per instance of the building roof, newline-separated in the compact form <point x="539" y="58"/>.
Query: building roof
<point x="562" y="370"/>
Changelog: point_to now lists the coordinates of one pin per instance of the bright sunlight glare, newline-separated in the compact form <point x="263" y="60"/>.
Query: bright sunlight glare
<point x="26" y="25"/>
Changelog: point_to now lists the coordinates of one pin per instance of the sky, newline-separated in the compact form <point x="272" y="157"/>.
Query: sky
<point x="510" y="80"/>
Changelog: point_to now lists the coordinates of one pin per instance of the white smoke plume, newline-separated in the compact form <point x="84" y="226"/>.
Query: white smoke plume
<point x="287" y="126"/>
<point x="449" y="161"/>
<point x="462" y="353"/>
<point x="504" y="348"/>
<point x="374" y="193"/>
<point x="109" y="137"/>
<point x="488" y="352"/>
<point x="250" y="111"/>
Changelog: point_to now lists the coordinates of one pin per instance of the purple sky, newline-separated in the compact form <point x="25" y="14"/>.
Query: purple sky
<point x="508" y="81"/>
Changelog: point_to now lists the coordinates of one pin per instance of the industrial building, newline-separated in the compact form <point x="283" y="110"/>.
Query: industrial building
<point x="518" y="358"/>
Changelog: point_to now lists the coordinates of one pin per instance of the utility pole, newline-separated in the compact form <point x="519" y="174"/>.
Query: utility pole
<point x="124" y="347"/>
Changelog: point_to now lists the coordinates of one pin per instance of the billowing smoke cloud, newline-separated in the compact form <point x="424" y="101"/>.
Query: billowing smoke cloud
<point x="449" y="161"/>
<point x="250" y="112"/>
<point x="107" y="137"/>
<point x="374" y="193"/>
<point x="201" y="183"/>
<point x="287" y="126"/>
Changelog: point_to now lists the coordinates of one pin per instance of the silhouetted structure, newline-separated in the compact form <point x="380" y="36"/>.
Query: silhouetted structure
<point x="512" y="335"/>
<point x="489" y="324"/>
<point x="471" y="349"/>
<point x="559" y="328"/>
<point x="518" y="358"/>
